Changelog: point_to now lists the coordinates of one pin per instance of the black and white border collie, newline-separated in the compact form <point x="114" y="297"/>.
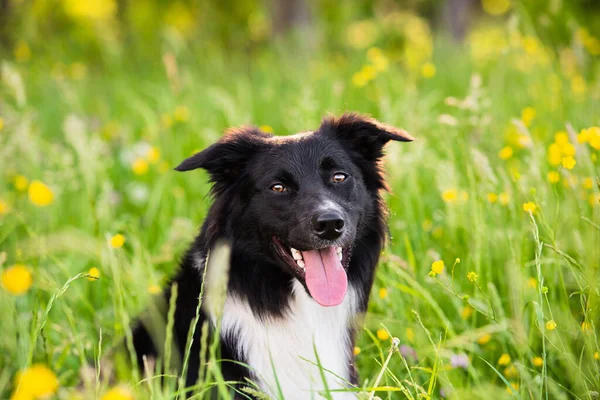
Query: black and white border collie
<point x="305" y="223"/>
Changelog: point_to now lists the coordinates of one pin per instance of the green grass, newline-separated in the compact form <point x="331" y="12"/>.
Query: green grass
<point x="74" y="135"/>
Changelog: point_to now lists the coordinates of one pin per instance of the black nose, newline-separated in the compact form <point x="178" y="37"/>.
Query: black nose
<point x="328" y="225"/>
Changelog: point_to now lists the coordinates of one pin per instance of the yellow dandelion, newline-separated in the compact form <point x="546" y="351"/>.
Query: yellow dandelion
<point x="568" y="150"/>
<point x="117" y="241"/>
<point x="118" y="393"/>
<point x="40" y="194"/>
<point x="266" y="128"/>
<point x="492" y="198"/>
<point x="181" y="114"/>
<point x="532" y="282"/>
<point x="153" y="155"/>
<point x="594" y="133"/>
<point x="139" y="166"/>
<point x="495" y="7"/>
<point x="94" y="273"/>
<point x="450" y="195"/>
<point x="466" y="312"/>
<point x="428" y="70"/>
<point x="16" y="279"/>
<point x="551" y="325"/>
<point x="514" y="385"/>
<point x="561" y="138"/>
<point x="359" y="80"/>
<point x="504" y="198"/>
<point x="554" y="154"/>
<point x="36" y="382"/>
<point x="537" y="361"/>
<point x="21" y="183"/>
<point x="356" y="350"/>
<point x="484" y="339"/>
<point x="90" y="9"/>
<point x="472" y="276"/>
<point x="568" y="162"/>
<point x="4" y="207"/>
<point x="553" y="177"/>
<point x="410" y="334"/>
<point x="504" y="359"/>
<point x="437" y="267"/>
<point x="154" y="289"/>
<point x="511" y="372"/>
<point x="594" y="199"/>
<point x="382" y="334"/>
<point x="505" y="153"/>
<point x="527" y="115"/>
<point x="529" y="207"/>
<point x="596" y="356"/>
<point x="378" y="59"/>
<point x="383" y="293"/>
<point x="583" y="136"/>
<point x="588" y="183"/>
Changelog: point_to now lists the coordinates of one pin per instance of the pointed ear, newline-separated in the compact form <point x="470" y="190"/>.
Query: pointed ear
<point x="225" y="159"/>
<point x="365" y="135"/>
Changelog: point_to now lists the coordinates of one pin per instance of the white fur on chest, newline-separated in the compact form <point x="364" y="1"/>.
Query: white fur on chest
<point x="287" y="345"/>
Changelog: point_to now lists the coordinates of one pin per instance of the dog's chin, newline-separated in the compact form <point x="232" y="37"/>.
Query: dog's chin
<point x="322" y="271"/>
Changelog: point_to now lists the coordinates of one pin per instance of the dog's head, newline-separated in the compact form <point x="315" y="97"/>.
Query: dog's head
<point x="304" y="198"/>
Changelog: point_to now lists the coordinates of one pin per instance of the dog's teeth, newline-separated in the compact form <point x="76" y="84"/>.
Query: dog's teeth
<point x="296" y="254"/>
<point x="340" y="256"/>
<point x="300" y="263"/>
<point x="338" y="250"/>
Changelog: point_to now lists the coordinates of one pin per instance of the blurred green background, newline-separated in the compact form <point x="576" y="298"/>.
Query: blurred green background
<point x="99" y="99"/>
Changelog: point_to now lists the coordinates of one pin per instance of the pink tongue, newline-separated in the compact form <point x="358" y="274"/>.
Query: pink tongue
<point x="325" y="276"/>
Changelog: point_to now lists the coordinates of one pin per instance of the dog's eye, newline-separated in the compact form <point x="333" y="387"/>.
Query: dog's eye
<point x="339" y="177"/>
<point x="279" y="188"/>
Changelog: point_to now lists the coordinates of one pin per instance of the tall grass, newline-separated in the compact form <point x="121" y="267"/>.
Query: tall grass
<point x="452" y="196"/>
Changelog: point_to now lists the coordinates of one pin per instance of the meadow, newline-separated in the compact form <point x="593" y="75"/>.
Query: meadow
<point x="489" y="282"/>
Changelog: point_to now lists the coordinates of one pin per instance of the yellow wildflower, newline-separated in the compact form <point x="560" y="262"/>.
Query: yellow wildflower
<point x="551" y="325"/>
<point x="410" y="334"/>
<point x="94" y="273"/>
<point x="450" y="195"/>
<point x="472" y="276"/>
<point x="503" y="198"/>
<point x="266" y="128"/>
<point x="153" y="155"/>
<point x="504" y="359"/>
<point x="588" y="183"/>
<point x="596" y="356"/>
<point x="118" y="393"/>
<point x="568" y="150"/>
<point x="35" y="382"/>
<point x="1" y="123"/>
<point x="568" y="162"/>
<point x="495" y="7"/>
<point x="586" y="326"/>
<point x="154" y="289"/>
<point x="466" y="312"/>
<point x="584" y="136"/>
<point x="428" y="70"/>
<point x="17" y="279"/>
<point x="437" y="267"/>
<point x="527" y="115"/>
<point x="22" y="51"/>
<point x="537" y="361"/>
<point x="378" y="59"/>
<point x="382" y="334"/>
<point x="117" y="241"/>
<point x="139" y="166"/>
<point x="40" y="194"/>
<point x="578" y="85"/>
<point x="427" y="225"/>
<point x="181" y="114"/>
<point x="511" y="372"/>
<point x="561" y="138"/>
<point x="532" y="282"/>
<point x="514" y="385"/>
<point x="529" y="207"/>
<point x="356" y="350"/>
<point x="594" y="133"/>
<point x="594" y="199"/>
<point x="553" y="177"/>
<point x="484" y="339"/>
<point x="383" y="293"/>
<point x="21" y="183"/>
<point x="554" y="154"/>
<point x="492" y="197"/>
<point x="505" y="153"/>
<point x="4" y="207"/>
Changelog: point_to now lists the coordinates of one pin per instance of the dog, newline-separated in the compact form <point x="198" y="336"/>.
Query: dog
<point x="305" y="223"/>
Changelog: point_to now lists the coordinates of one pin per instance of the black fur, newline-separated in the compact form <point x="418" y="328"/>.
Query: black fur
<point x="245" y="212"/>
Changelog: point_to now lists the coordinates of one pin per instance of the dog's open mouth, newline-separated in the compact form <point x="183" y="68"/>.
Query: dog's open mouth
<point x="322" y="270"/>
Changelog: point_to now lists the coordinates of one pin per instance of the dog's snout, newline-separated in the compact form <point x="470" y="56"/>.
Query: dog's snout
<point x="328" y="225"/>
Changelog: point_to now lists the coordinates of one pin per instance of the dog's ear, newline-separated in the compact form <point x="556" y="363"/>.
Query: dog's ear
<point x="226" y="158"/>
<point x="365" y="135"/>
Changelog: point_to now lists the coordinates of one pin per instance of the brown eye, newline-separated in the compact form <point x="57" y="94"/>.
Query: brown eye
<point x="339" y="177"/>
<point x="278" y="187"/>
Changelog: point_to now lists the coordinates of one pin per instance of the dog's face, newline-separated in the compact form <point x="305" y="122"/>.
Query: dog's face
<point x="306" y="196"/>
